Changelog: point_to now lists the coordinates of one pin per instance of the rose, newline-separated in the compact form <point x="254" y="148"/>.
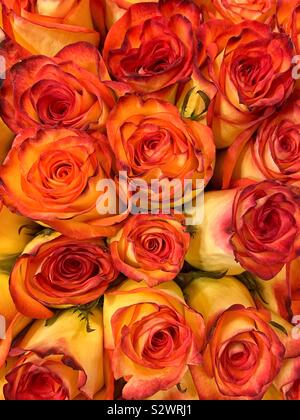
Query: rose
<point x="272" y="152"/>
<point x="210" y="248"/>
<point x="152" y="46"/>
<point x="237" y="12"/>
<point x="265" y="227"/>
<point x="151" y="141"/>
<point x="150" y="248"/>
<point x="244" y="354"/>
<point x="115" y="9"/>
<point x="152" y="336"/>
<point x="10" y="53"/>
<point x="12" y="322"/>
<point x="59" y="23"/>
<point x="52" y="175"/>
<point x="288" y="380"/>
<point x="57" y="92"/>
<point x="51" y="362"/>
<point x="287" y="16"/>
<point x="15" y="232"/>
<point x="57" y="272"/>
<point x="252" y="68"/>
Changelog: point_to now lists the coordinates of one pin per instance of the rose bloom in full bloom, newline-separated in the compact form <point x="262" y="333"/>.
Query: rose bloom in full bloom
<point x="152" y="142"/>
<point x="244" y="354"/>
<point x="271" y="153"/>
<point x="152" y="337"/>
<point x="52" y="175"/>
<point x="45" y="27"/>
<point x="257" y="227"/>
<point x="252" y="69"/>
<point x="58" y="92"/>
<point x="150" y="248"/>
<point x="57" y="272"/>
<point x="237" y="11"/>
<point x="152" y="47"/>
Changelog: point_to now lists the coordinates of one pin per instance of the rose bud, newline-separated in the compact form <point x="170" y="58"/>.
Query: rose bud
<point x="237" y="12"/>
<point x="45" y="27"/>
<point x="153" y="337"/>
<point x="52" y="176"/>
<point x="151" y="141"/>
<point x="272" y="152"/>
<point x="15" y="232"/>
<point x="244" y="354"/>
<point x="64" y="91"/>
<point x="210" y="248"/>
<point x="11" y="321"/>
<point x="252" y="68"/>
<point x="152" y="46"/>
<point x="150" y="248"/>
<point x="60" y="361"/>
<point x="265" y="226"/>
<point x="56" y="272"/>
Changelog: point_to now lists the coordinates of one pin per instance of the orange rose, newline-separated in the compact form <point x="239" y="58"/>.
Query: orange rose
<point x="10" y="53"/>
<point x="52" y="176"/>
<point x="288" y="13"/>
<point x="57" y="92"/>
<point x="265" y="225"/>
<point x="15" y="232"/>
<point x="152" y="141"/>
<point x="238" y="11"/>
<point x="55" y="271"/>
<point x="51" y="363"/>
<point x="115" y="9"/>
<point x="272" y="152"/>
<point x="244" y="354"/>
<point x="288" y="380"/>
<point x="58" y="23"/>
<point x="150" y="248"/>
<point x="12" y="322"/>
<point x="153" y="337"/>
<point x="152" y="46"/>
<point x="252" y="68"/>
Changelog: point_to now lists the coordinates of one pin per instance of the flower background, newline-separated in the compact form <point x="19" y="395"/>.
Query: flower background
<point x="145" y="306"/>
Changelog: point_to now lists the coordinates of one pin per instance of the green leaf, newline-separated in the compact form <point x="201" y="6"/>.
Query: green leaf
<point x="7" y="264"/>
<point x="205" y="98"/>
<point x="184" y="279"/>
<point x="180" y="389"/>
<point x="252" y="285"/>
<point x="279" y="327"/>
<point x="54" y="318"/>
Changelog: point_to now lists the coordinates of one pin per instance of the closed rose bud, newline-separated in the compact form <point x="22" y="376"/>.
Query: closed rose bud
<point x="210" y="248"/>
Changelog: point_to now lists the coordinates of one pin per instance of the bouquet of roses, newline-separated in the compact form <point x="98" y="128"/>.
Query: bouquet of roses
<point x="150" y="200"/>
